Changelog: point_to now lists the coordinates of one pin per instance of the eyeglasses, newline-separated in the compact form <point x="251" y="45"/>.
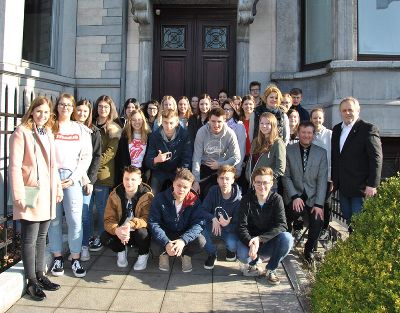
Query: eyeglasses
<point x="151" y="108"/>
<point x="285" y="102"/>
<point x="228" y="110"/>
<point x="254" y="89"/>
<point x="66" y="105"/>
<point x="263" y="183"/>
<point x="104" y="107"/>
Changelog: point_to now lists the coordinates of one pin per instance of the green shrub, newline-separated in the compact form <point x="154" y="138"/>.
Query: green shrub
<point x="362" y="274"/>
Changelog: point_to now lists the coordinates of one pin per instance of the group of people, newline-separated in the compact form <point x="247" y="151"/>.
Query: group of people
<point x="247" y="170"/>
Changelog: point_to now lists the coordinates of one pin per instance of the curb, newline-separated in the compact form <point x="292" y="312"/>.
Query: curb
<point x="12" y="286"/>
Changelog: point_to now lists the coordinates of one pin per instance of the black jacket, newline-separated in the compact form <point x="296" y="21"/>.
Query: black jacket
<point x="194" y="124"/>
<point x="360" y="162"/>
<point x="94" y="165"/>
<point x="266" y="222"/>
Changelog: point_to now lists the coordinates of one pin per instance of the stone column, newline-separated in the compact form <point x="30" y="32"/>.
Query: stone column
<point x="143" y="15"/>
<point x="244" y="18"/>
<point x="346" y="30"/>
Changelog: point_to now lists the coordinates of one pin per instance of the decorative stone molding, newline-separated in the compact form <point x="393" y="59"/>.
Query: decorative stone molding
<point x="246" y="11"/>
<point x="141" y="11"/>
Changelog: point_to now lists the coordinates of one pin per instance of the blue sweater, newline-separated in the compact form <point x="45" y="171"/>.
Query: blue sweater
<point x="214" y="204"/>
<point x="163" y="217"/>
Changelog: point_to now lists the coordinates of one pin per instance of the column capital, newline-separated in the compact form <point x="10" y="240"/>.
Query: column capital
<point x="141" y="10"/>
<point x="246" y="11"/>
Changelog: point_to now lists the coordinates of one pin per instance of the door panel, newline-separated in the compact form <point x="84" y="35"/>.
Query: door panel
<point x="194" y="52"/>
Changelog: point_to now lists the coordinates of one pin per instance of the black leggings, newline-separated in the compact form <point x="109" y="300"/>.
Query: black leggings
<point x="33" y="235"/>
<point x="139" y="238"/>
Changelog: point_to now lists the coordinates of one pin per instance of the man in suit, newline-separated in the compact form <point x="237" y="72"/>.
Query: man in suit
<point x="304" y="184"/>
<point x="356" y="158"/>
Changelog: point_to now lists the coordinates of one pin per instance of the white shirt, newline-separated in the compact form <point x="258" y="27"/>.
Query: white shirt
<point x="178" y="206"/>
<point x="345" y="132"/>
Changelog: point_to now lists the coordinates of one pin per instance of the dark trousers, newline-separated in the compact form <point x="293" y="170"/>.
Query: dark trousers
<point x="327" y="207"/>
<point x="192" y="248"/>
<point x="139" y="238"/>
<point x="208" y="179"/>
<point x="314" y="225"/>
<point x="33" y="235"/>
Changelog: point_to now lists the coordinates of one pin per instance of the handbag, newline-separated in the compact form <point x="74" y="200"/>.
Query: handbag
<point x="31" y="192"/>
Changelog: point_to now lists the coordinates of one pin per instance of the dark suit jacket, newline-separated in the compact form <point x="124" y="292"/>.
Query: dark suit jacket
<point x="312" y="181"/>
<point x="360" y="162"/>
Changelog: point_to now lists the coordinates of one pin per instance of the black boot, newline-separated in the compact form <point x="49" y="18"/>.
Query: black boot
<point x="46" y="284"/>
<point x="34" y="290"/>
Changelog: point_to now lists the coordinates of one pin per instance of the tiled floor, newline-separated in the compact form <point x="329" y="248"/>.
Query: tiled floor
<point x="108" y="288"/>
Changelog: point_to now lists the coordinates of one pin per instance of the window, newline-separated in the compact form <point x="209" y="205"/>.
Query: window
<point x="378" y="29"/>
<point x="38" y="32"/>
<point x="317" y="39"/>
<point x="215" y="37"/>
<point x="173" y="37"/>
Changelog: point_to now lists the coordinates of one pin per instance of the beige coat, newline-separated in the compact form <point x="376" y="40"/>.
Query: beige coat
<point x="23" y="172"/>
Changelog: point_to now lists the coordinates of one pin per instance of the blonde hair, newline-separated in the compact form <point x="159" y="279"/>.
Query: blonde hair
<point x="270" y="89"/>
<point x="189" y="112"/>
<point x="161" y="109"/>
<point x="144" y="131"/>
<point x="263" y="143"/>
<point x="27" y="119"/>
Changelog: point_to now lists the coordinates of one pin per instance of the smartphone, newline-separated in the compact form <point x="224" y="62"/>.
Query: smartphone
<point x="168" y="155"/>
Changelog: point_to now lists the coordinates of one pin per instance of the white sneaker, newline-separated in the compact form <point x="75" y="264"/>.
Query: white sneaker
<point x="141" y="262"/>
<point x="121" y="259"/>
<point x="85" y="254"/>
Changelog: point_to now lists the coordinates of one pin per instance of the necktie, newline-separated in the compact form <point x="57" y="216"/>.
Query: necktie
<point x="305" y="159"/>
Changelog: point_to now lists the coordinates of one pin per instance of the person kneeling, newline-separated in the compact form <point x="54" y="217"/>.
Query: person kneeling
<point x="220" y="208"/>
<point x="125" y="218"/>
<point x="262" y="227"/>
<point x="176" y="222"/>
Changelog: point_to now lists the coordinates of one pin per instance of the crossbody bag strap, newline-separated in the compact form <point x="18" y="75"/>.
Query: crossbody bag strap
<point x="34" y="151"/>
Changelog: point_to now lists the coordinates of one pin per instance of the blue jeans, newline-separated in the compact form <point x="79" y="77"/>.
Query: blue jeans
<point x="72" y="207"/>
<point x="87" y="219"/>
<point x="276" y="249"/>
<point x="100" y="196"/>
<point x="350" y="206"/>
<point x="227" y="234"/>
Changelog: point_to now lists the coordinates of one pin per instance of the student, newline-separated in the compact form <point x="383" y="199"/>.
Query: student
<point x="262" y="227"/>
<point x="150" y="111"/>
<point x="222" y="96"/>
<point x="220" y="209"/>
<point x="167" y="102"/>
<point x="215" y="145"/>
<point x="297" y="96"/>
<point x="125" y="218"/>
<point x="197" y="121"/>
<point x="105" y="114"/>
<point x="129" y="105"/>
<point x="255" y="88"/>
<point x="169" y="147"/>
<point x="84" y="116"/>
<point x="194" y="103"/>
<point x="294" y="121"/>
<point x="286" y="102"/>
<point x="184" y="110"/>
<point x="31" y="158"/>
<point x="176" y="222"/>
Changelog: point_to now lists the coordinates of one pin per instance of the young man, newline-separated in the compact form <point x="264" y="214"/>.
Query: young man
<point x="169" y="147"/>
<point x="176" y="222"/>
<point x="356" y="158"/>
<point x="215" y="145"/>
<point x="255" y="88"/>
<point x="125" y="218"/>
<point x="305" y="184"/>
<point x="220" y="208"/>
<point x="297" y="96"/>
<point x="262" y="227"/>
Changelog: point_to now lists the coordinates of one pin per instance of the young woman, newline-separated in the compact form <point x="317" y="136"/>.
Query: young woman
<point x="73" y="148"/>
<point x="150" y="112"/>
<point x="105" y="114"/>
<point x="132" y="145"/>
<point x="267" y="149"/>
<point x="272" y="99"/>
<point x="222" y="96"/>
<point x="197" y="121"/>
<point x="322" y="138"/>
<point x="84" y="115"/>
<point x="167" y="102"/>
<point x="194" y="104"/>
<point x="237" y="104"/>
<point x="32" y="160"/>
<point x="233" y="121"/>
<point x="184" y="111"/>
<point x="294" y="121"/>
<point x="129" y="105"/>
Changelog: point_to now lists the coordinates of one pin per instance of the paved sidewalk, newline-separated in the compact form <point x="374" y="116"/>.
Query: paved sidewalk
<point x="108" y="288"/>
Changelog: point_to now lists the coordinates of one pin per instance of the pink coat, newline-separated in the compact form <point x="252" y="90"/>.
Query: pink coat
<point x="23" y="172"/>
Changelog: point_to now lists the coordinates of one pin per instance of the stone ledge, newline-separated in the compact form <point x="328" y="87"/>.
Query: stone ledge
<point x="12" y="286"/>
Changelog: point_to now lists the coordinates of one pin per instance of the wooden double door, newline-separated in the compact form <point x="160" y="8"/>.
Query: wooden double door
<point x="194" y="52"/>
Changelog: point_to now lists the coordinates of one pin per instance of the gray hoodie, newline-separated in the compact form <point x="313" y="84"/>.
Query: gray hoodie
<point x="223" y="148"/>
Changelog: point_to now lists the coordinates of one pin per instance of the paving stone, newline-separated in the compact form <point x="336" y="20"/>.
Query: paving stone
<point x="68" y="279"/>
<point x="187" y="302"/>
<point x="53" y="298"/>
<point x="138" y="301"/>
<point x="31" y="309"/>
<point x="280" y="302"/>
<point x="198" y="267"/>
<point x="190" y="283"/>
<point x="146" y="281"/>
<point x="102" y="279"/>
<point x="234" y="284"/>
<point x="265" y="287"/>
<point x="61" y="310"/>
<point x="237" y="302"/>
<point x="107" y="263"/>
<point x="89" y="298"/>
<point x="224" y="268"/>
